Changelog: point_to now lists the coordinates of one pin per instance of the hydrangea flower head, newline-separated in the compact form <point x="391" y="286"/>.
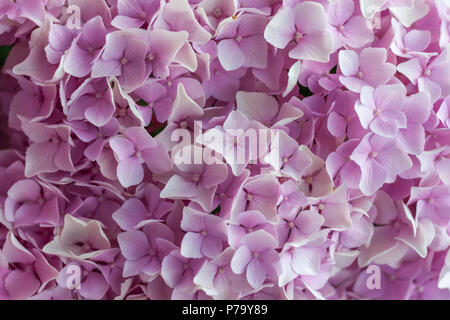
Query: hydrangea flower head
<point x="224" y="149"/>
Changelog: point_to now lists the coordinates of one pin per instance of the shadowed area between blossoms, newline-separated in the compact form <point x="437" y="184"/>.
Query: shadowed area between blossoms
<point x="4" y="52"/>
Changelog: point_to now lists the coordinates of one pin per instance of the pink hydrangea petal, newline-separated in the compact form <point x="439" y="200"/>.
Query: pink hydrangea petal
<point x="280" y="30"/>
<point x="130" y="172"/>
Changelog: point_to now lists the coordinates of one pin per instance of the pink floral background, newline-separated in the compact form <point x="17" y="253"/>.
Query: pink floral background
<point x="352" y="202"/>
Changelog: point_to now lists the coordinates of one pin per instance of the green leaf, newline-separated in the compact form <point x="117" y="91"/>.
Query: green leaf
<point x="142" y="103"/>
<point x="216" y="210"/>
<point x="304" y="91"/>
<point x="4" y="52"/>
<point x="155" y="132"/>
<point x="333" y="71"/>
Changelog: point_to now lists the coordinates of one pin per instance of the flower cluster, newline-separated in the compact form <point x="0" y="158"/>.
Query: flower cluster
<point x="349" y="198"/>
